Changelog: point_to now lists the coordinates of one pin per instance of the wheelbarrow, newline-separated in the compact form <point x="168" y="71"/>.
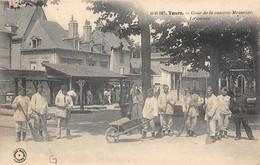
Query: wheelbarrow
<point x="122" y="127"/>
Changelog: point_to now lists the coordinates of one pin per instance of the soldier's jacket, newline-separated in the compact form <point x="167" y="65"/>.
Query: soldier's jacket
<point x="211" y="108"/>
<point x="192" y="103"/>
<point x="165" y="103"/>
<point x="224" y="102"/>
<point x="63" y="104"/>
<point x="238" y="105"/>
<point x="38" y="104"/>
<point x="24" y="102"/>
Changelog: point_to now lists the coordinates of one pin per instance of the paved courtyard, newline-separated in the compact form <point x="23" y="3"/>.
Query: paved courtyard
<point x="89" y="146"/>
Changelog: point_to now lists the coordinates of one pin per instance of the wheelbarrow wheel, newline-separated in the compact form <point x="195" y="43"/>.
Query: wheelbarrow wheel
<point x="111" y="135"/>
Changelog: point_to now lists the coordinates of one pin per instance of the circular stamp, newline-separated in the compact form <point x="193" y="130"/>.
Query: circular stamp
<point x="19" y="155"/>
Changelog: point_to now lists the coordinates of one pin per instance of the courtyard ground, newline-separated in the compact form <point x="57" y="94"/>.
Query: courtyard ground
<point x="89" y="146"/>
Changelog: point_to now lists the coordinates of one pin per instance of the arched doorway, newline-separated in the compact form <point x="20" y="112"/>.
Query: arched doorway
<point x="241" y="82"/>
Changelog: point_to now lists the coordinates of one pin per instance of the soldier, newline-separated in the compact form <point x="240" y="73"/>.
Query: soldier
<point x="38" y="110"/>
<point x="124" y="104"/>
<point x="20" y="120"/>
<point x="166" y="111"/>
<point x="64" y="104"/>
<point x="191" y="109"/>
<point x="211" y="114"/>
<point x="239" y="111"/>
<point x="150" y="111"/>
<point x="223" y="108"/>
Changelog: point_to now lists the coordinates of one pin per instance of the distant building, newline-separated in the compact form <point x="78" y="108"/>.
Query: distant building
<point x="176" y="76"/>
<point x="20" y="22"/>
<point x="5" y="47"/>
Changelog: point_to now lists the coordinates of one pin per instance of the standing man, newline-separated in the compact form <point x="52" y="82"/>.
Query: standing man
<point x="150" y="111"/>
<point x="64" y="104"/>
<point x="124" y="102"/>
<point x="211" y="114"/>
<point x="20" y="120"/>
<point x="192" y="102"/>
<point x="38" y="109"/>
<point x="239" y="111"/>
<point x="225" y="113"/>
<point x="166" y="111"/>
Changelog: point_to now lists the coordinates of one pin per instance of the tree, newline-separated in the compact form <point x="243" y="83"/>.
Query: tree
<point x="215" y="46"/>
<point x="40" y="3"/>
<point x="127" y="19"/>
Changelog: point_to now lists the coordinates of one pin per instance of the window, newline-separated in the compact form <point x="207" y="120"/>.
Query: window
<point x="76" y="46"/>
<point x="92" y="63"/>
<point x="33" y="65"/>
<point x="71" y="61"/>
<point x="103" y="64"/>
<point x="36" y="41"/>
<point x="122" y="58"/>
<point x="121" y="70"/>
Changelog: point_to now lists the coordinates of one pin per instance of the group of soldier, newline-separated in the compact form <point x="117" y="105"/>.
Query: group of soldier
<point x="37" y="109"/>
<point x="218" y="110"/>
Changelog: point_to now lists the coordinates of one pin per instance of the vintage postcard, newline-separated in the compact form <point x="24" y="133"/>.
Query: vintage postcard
<point x="129" y="82"/>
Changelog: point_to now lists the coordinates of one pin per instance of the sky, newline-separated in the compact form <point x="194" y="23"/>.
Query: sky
<point x="62" y="12"/>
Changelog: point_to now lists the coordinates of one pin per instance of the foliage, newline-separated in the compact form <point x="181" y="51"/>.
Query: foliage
<point x="192" y="42"/>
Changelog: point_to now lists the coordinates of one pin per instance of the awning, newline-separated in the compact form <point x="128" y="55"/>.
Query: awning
<point x="29" y="75"/>
<point x="80" y="71"/>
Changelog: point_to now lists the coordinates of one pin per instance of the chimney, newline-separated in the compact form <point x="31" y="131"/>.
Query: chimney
<point x="73" y="28"/>
<point x="4" y="5"/>
<point x="87" y="29"/>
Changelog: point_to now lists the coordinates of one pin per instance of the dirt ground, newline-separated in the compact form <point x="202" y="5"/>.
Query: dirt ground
<point x="89" y="146"/>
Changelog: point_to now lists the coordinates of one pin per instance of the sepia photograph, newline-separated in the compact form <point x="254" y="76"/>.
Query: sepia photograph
<point x="97" y="82"/>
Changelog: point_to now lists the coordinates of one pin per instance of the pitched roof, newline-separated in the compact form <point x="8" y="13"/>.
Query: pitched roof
<point x="193" y="74"/>
<point x="4" y="30"/>
<point x="51" y="35"/>
<point x="172" y="68"/>
<point x="158" y="55"/>
<point x="20" y="17"/>
<point x="110" y="39"/>
<point x="158" y="68"/>
<point x="82" y="71"/>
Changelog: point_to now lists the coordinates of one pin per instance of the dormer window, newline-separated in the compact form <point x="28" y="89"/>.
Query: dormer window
<point x="76" y="46"/>
<point x="36" y="41"/>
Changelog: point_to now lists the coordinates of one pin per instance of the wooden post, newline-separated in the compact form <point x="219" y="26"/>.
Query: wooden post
<point x="35" y="84"/>
<point x="50" y="84"/>
<point x="24" y="83"/>
<point x="121" y="87"/>
<point x="70" y="82"/>
<point x="15" y="87"/>
<point x="81" y="84"/>
<point x="178" y="90"/>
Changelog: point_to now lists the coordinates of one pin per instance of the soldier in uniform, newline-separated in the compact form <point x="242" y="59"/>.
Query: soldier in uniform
<point x="38" y="110"/>
<point x="166" y="102"/>
<point x="192" y="102"/>
<point x="239" y="111"/>
<point x="20" y="120"/>
<point x="211" y="115"/>
<point x="225" y="113"/>
<point x="64" y="104"/>
<point x="150" y="111"/>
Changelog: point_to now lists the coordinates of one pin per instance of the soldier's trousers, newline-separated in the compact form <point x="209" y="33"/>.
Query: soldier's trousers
<point x="191" y="123"/>
<point x="213" y="127"/>
<point x="223" y="122"/>
<point x="20" y="126"/>
<point x="61" y="120"/>
<point x="150" y="124"/>
<point x="166" y="122"/>
<point x="238" y="120"/>
<point x="39" y="121"/>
